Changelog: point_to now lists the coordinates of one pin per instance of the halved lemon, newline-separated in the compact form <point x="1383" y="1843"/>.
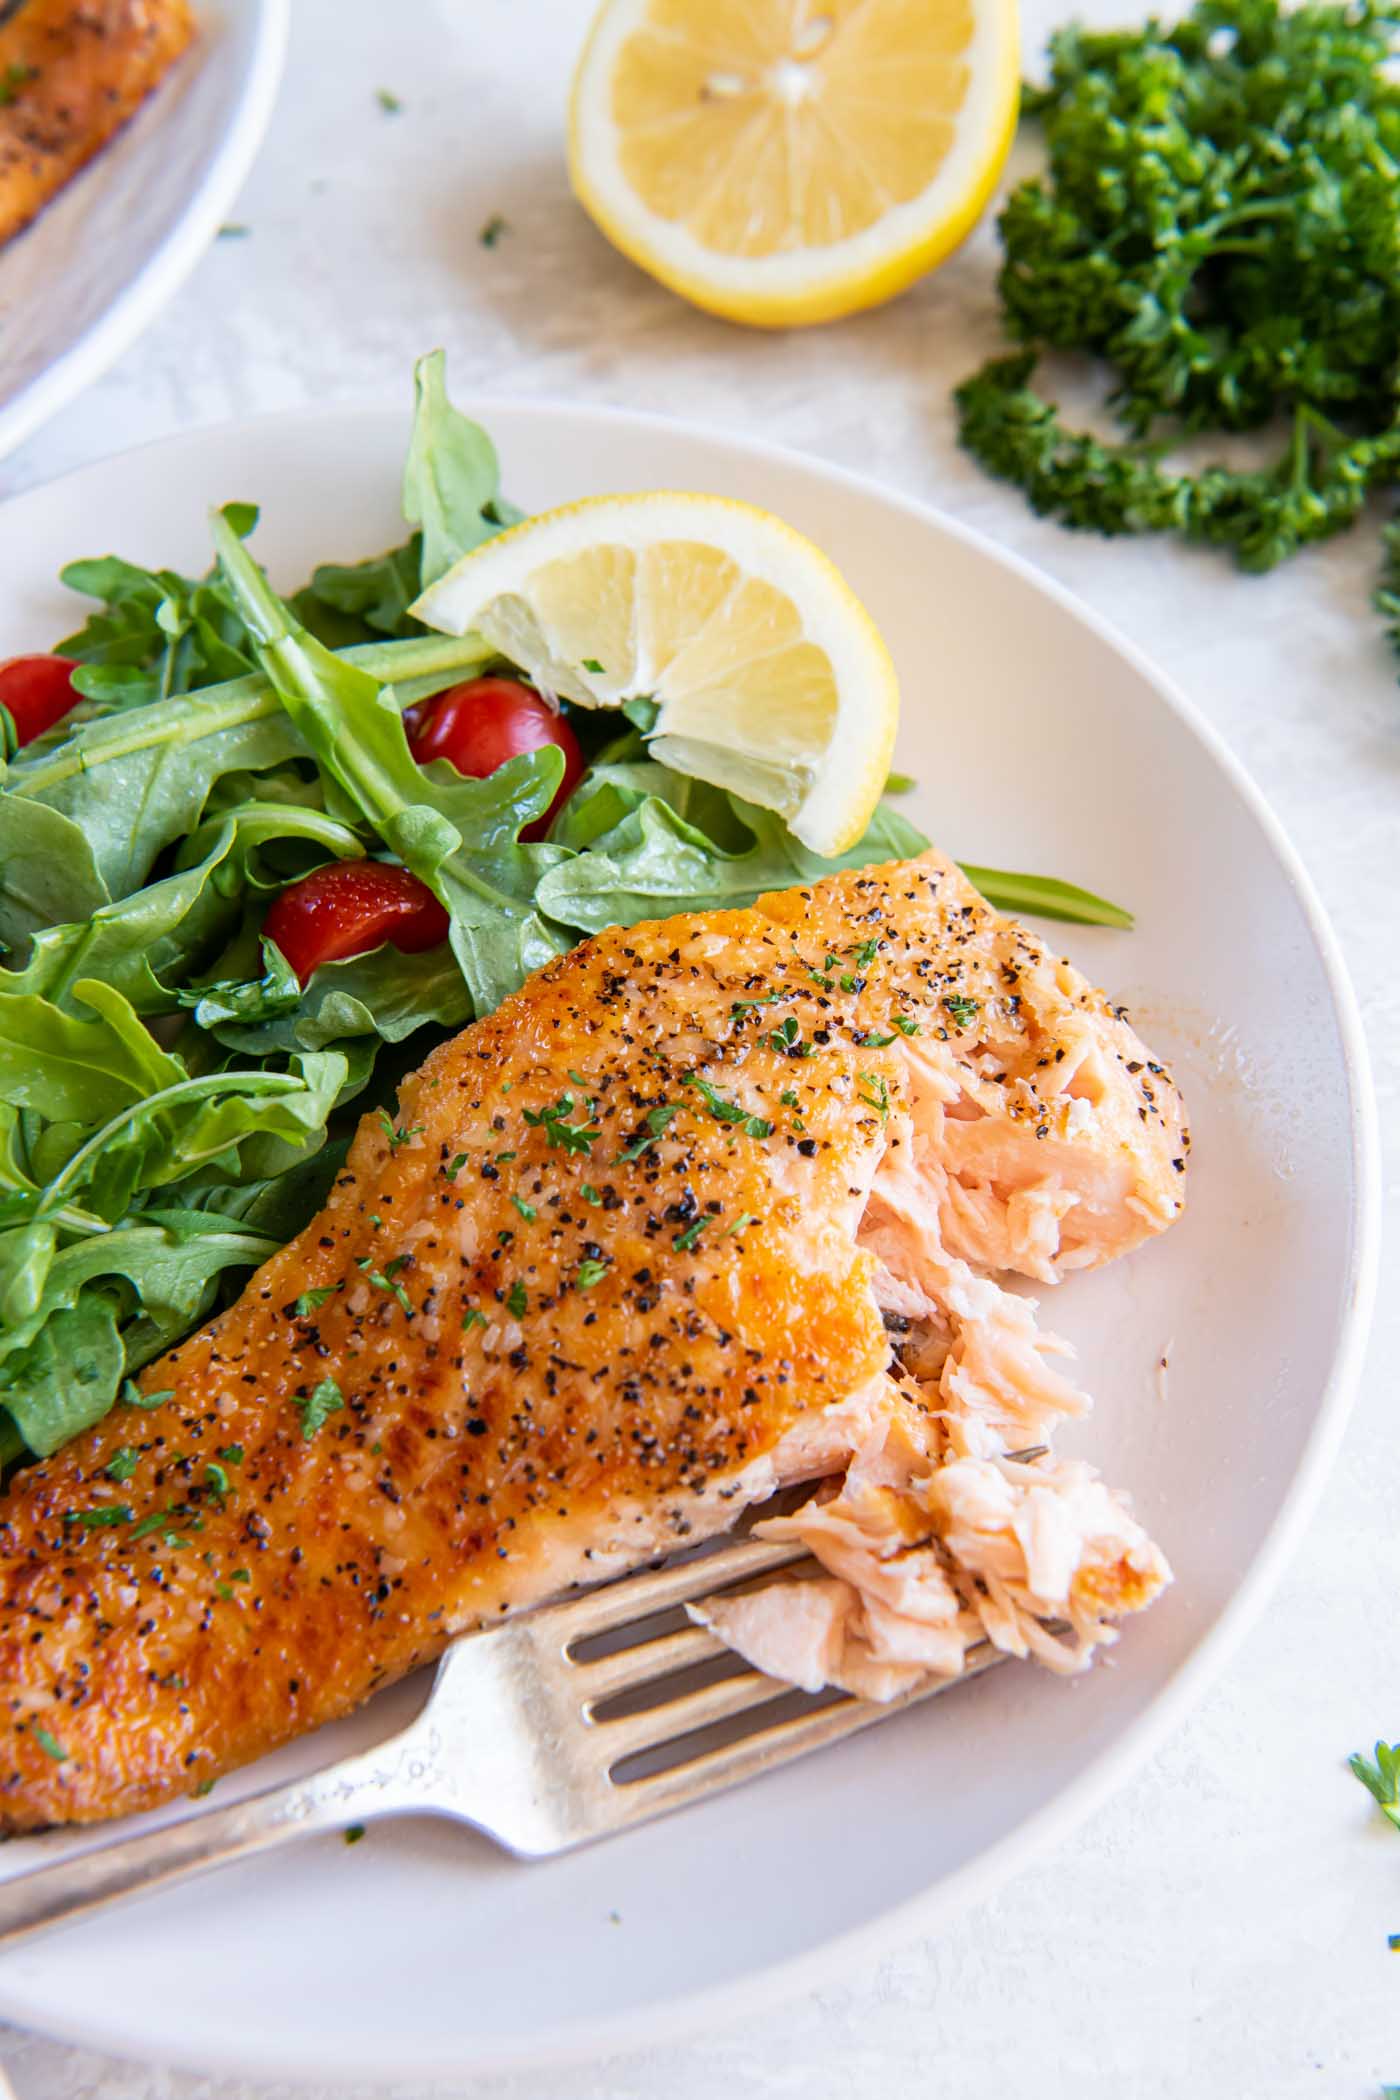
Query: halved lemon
<point x="770" y="677"/>
<point x="782" y="161"/>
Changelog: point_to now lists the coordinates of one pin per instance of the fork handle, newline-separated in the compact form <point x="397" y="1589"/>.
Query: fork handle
<point x="379" y="1782"/>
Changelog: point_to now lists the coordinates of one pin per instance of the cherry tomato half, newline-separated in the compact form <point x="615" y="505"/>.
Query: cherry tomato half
<point x="349" y="907"/>
<point x="38" y="691"/>
<point x="477" y="726"/>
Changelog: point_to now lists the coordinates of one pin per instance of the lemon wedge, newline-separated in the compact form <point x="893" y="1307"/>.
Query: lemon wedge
<point x="769" y="676"/>
<point x="784" y="161"/>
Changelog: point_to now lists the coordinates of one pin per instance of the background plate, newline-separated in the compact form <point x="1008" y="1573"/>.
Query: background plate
<point x="1043" y="742"/>
<point x="81" y="283"/>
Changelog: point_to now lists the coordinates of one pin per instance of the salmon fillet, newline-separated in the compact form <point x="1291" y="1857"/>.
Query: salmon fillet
<point x="706" y="1208"/>
<point x="71" y="73"/>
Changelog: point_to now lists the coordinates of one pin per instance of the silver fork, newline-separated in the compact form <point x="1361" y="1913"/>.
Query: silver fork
<point x="516" y="1739"/>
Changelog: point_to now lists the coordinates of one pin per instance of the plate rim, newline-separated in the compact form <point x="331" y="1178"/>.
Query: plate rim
<point x="143" y="296"/>
<point x="676" y="2016"/>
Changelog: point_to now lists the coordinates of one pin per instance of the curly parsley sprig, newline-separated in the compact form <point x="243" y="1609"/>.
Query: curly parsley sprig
<point x="1219" y="221"/>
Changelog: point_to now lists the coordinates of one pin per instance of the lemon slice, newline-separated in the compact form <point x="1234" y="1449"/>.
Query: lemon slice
<point x="769" y="676"/>
<point x="782" y="161"/>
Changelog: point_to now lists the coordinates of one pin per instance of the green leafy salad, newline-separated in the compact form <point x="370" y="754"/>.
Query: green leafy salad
<point x="175" y="1095"/>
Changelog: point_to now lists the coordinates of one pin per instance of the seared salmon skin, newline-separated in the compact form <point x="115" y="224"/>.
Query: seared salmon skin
<point x="710" y="1206"/>
<point x="72" y="72"/>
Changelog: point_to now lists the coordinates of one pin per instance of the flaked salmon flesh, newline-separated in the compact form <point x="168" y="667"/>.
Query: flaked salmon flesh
<point x="711" y="1206"/>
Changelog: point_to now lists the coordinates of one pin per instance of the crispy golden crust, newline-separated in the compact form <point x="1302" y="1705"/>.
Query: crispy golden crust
<point x="71" y="73"/>
<point x="567" y="1304"/>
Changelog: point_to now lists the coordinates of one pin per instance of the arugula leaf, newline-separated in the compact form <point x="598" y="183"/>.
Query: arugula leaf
<point x="1045" y="897"/>
<point x="350" y="602"/>
<point x="47" y="870"/>
<point x="243" y="1124"/>
<point x="67" y="1378"/>
<point x="173" y="632"/>
<point x="451" y="481"/>
<point x="653" y="863"/>
<point x="266" y="998"/>
<point x="79" y="1070"/>
<point x="134" y="783"/>
<point x="144" y="942"/>
<point x="384" y="994"/>
<point x="461" y="837"/>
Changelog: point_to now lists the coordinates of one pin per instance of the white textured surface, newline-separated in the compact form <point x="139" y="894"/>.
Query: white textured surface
<point x="1219" y="1930"/>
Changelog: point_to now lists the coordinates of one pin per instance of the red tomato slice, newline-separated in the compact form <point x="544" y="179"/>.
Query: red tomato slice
<point x="38" y="691"/>
<point x="478" y="725"/>
<point x="349" y="907"/>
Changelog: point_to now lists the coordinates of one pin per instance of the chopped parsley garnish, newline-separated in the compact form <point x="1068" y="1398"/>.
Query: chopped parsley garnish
<point x="451" y="1173"/>
<point x="1381" y="1779"/>
<point x="151" y="1523"/>
<point x="353" y="1833"/>
<point x="491" y="232"/>
<point x="517" y="1301"/>
<point x="526" y="1210"/>
<point x="590" y="1194"/>
<point x="384" y="1279"/>
<point x="570" y="1137"/>
<point x="134" y="1397"/>
<point x="786" y="1038"/>
<point x="122" y="1464"/>
<point x="100" y="1519"/>
<point x="683" y="1241"/>
<point x="316" y="1407"/>
<point x="818" y="978"/>
<point x="905" y="1024"/>
<point x="232" y="1454"/>
<point x="239" y="1575"/>
<point x="12" y="80"/>
<point x="217" y="1480"/>
<point x="871" y="1040"/>
<point x="398" y="1136"/>
<point x="657" y="1120"/>
<point x="591" y="663"/>
<point x="875" y="1094"/>
<point x="963" y="1011"/>
<point x="788" y="1098"/>
<point x="728" y="1111"/>
<point x="50" y="1745"/>
<point x="748" y="1006"/>
<point x="312" y="1301"/>
<point x="388" y="101"/>
<point x="746" y="1217"/>
<point x="866" y="954"/>
<point x="589" y="1272"/>
<point x="472" y="1318"/>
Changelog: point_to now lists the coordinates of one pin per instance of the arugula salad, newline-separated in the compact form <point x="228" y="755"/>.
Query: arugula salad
<point x="256" y="858"/>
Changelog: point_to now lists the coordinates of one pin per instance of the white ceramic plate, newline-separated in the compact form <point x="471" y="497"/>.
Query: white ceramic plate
<point x="81" y="283"/>
<point x="1042" y="742"/>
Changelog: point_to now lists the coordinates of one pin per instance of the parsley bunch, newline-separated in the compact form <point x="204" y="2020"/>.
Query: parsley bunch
<point x="1220" y="221"/>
